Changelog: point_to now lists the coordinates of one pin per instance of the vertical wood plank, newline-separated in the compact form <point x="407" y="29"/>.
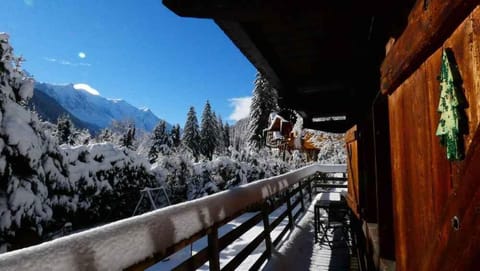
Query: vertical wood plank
<point x="310" y="189"/>
<point x="267" y="229"/>
<point x="353" y="174"/>
<point x="383" y="177"/>
<point x="289" y="210"/>
<point x="302" y="203"/>
<point x="428" y="189"/>
<point x="213" y="250"/>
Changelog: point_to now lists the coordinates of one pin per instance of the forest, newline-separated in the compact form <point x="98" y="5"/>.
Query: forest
<point x="56" y="179"/>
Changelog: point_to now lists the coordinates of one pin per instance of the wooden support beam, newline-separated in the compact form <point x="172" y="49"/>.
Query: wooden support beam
<point x="429" y="25"/>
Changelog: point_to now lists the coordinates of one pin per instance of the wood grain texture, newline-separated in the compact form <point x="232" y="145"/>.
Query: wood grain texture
<point x="411" y="171"/>
<point x="383" y="177"/>
<point x="451" y="249"/>
<point x="428" y="27"/>
<point x="428" y="189"/>
<point x="353" y="173"/>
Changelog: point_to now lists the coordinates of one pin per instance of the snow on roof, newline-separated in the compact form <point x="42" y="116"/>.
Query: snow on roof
<point x="272" y="118"/>
<point x="121" y="244"/>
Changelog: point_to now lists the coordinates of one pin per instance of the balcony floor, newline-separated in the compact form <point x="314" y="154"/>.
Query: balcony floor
<point x="300" y="252"/>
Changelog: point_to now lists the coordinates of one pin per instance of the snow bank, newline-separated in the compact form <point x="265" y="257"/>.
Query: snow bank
<point x="123" y="243"/>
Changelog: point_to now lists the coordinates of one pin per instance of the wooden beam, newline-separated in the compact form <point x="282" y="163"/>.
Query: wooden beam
<point x="247" y="10"/>
<point x="259" y="9"/>
<point x="429" y="25"/>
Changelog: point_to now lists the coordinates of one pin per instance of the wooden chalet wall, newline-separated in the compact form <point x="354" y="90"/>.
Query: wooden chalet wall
<point x="429" y="191"/>
<point x="370" y="185"/>
<point x="353" y="197"/>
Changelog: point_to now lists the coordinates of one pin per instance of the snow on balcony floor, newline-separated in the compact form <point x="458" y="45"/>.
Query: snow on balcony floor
<point x="300" y="252"/>
<point x="233" y="249"/>
<point x="297" y="251"/>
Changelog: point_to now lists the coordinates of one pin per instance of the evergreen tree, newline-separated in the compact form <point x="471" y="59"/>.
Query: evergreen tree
<point x="239" y="134"/>
<point x="105" y="135"/>
<point x="32" y="171"/>
<point x="264" y="102"/>
<point x="175" y="135"/>
<point x="226" y="135"/>
<point x="220" y="136"/>
<point x="67" y="133"/>
<point x="129" y="137"/>
<point x="64" y="130"/>
<point x="161" y="141"/>
<point x="208" y="132"/>
<point x="191" y="133"/>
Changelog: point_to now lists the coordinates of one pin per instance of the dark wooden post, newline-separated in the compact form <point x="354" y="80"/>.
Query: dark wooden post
<point x="289" y="209"/>
<point x="310" y="188"/>
<point x="301" y="196"/>
<point x="213" y="250"/>
<point x="267" y="230"/>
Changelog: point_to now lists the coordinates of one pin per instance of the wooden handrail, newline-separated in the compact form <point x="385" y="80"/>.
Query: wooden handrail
<point x="141" y="241"/>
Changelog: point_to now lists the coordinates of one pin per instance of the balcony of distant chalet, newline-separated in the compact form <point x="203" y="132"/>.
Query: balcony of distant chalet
<point x="267" y="224"/>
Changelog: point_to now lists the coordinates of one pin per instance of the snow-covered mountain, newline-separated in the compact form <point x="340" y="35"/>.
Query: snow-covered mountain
<point x="85" y="103"/>
<point x="49" y="109"/>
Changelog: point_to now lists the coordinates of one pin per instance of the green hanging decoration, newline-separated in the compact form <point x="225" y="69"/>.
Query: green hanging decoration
<point x="449" y="107"/>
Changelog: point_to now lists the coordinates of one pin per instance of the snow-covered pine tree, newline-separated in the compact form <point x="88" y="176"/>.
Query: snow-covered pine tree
<point x="208" y="132"/>
<point x="105" y="135"/>
<point x="175" y="135"/>
<point x="264" y="102"/>
<point x="221" y="147"/>
<point x="32" y="170"/>
<point x="65" y="130"/>
<point x="67" y="133"/>
<point x="175" y="172"/>
<point x="239" y="134"/>
<point x="191" y="133"/>
<point x="129" y="137"/>
<point x="161" y="141"/>
<point x="226" y="135"/>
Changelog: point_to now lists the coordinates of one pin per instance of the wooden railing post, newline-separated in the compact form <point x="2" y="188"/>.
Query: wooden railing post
<point x="310" y="188"/>
<point x="213" y="250"/>
<point x="267" y="230"/>
<point x="301" y="197"/>
<point x="289" y="209"/>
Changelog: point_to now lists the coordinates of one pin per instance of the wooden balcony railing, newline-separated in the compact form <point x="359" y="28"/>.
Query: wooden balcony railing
<point x="139" y="242"/>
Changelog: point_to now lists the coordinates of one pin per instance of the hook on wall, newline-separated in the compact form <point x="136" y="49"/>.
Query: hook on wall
<point x="455" y="223"/>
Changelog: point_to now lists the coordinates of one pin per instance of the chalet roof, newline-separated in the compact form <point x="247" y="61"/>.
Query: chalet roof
<point x="323" y="56"/>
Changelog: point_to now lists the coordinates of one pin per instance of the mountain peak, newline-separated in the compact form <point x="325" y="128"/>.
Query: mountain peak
<point x="87" y="88"/>
<point x="86" y="104"/>
<point x="144" y="109"/>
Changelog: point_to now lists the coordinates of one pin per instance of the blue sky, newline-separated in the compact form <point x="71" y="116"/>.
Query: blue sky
<point x="138" y="51"/>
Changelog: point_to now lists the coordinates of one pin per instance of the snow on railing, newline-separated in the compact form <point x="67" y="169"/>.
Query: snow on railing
<point x="121" y="244"/>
